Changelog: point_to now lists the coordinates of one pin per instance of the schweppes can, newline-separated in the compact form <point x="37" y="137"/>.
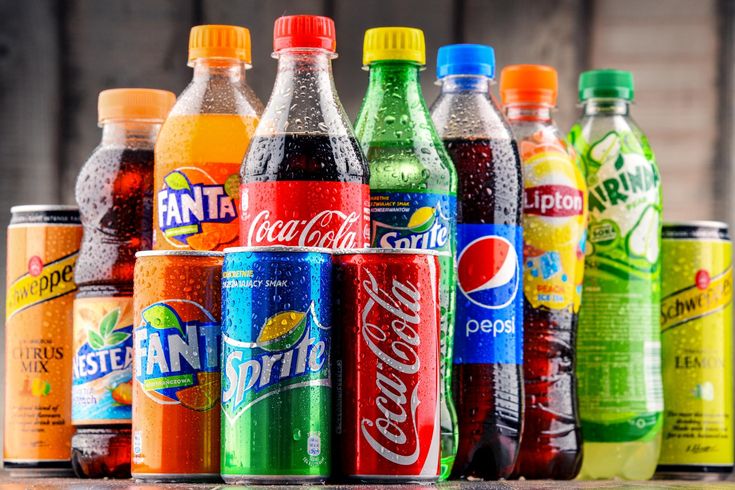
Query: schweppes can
<point x="43" y="244"/>
<point x="696" y="334"/>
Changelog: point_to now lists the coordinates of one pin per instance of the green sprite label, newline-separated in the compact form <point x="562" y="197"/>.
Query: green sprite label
<point x="618" y="347"/>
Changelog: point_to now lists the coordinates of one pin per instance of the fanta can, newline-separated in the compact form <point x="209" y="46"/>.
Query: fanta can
<point x="176" y="387"/>
<point x="202" y="144"/>
<point x="43" y="246"/>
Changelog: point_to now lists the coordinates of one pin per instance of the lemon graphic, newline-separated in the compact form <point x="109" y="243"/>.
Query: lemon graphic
<point x="160" y="316"/>
<point x="606" y="149"/>
<point x="40" y="387"/>
<point x="282" y="331"/>
<point x="421" y="220"/>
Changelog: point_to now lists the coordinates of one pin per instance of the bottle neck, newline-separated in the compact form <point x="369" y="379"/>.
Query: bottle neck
<point x="528" y="112"/>
<point x="207" y="70"/>
<point x="310" y="65"/>
<point x="399" y="78"/>
<point x="130" y="133"/>
<point x="453" y="84"/>
<point x="606" y="107"/>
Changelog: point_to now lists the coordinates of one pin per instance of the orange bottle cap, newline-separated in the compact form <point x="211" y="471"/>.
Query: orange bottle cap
<point x="219" y="41"/>
<point x="529" y="84"/>
<point x="134" y="103"/>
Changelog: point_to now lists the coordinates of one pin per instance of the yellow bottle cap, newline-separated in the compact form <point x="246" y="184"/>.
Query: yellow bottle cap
<point x="394" y="43"/>
<point x="134" y="103"/>
<point x="219" y="41"/>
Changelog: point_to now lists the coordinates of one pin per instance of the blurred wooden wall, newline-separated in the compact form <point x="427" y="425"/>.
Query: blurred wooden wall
<point x="56" y="56"/>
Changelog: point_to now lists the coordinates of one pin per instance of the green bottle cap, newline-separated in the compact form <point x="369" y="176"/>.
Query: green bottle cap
<point x="606" y="84"/>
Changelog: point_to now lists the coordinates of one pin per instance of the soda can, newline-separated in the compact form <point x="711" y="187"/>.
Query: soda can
<point x="276" y="376"/>
<point x="696" y="334"/>
<point x="388" y="364"/>
<point x="43" y="245"/>
<point x="176" y="366"/>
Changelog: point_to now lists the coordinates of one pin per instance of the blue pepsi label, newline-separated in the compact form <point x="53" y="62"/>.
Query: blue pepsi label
<point x="489" y="321"/>
<point x="412" y="220"/>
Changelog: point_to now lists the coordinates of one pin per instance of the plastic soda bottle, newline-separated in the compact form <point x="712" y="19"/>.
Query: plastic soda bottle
<point x="554" y="231"/>
<point x="114" y="192"/>
<point x="488" y="336"/>
<point x="305" y="179"/>
<point x="413" y="183"/>
<point x="618" y="343"/>
<point x="202" y="144"/>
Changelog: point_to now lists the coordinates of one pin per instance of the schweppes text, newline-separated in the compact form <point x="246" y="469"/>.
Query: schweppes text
<point x="696" y="301"/>
<point x="36" y="286"/>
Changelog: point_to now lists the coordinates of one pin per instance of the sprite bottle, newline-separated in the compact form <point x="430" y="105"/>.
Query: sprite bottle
<point x="618" y="344"/>
<point x="413" y="183"/>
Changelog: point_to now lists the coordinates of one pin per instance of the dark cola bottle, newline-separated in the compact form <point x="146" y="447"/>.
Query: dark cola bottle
<point x="488" y="335"/>
<point x="304" y="178"/>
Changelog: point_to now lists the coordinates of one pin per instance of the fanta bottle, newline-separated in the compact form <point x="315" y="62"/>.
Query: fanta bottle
<point x="554" y="225"/>
<point x="202" y="144"/>
<point x="115" y="196"/>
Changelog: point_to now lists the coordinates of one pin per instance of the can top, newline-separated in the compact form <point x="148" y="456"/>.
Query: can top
<point x="280" y="248"/>
<point x="178" y="253"/>
<point x="391" y="251"/>
<point x="42" y="208"/>
<point x="695" y="230"/>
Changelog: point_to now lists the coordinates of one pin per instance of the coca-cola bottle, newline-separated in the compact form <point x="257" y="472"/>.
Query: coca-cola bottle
<point x="488" y="335"/>
<point x="305" y="178"/>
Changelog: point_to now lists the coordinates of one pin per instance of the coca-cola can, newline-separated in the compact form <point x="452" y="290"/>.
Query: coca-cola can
<point x="387" y="364"/>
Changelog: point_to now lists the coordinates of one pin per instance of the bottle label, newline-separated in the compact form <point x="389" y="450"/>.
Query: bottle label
<point x="197" y="207"/>
<point x="696" y="334"/>
<point x="305" y="214"/>
<point x="42" y="282"/>
<point x="102" y="367"/>
<point x="618" y="346"/>
<point x="413" y="220"/>
<point x="177" y="351"/>
<point x="554" y="225"/>
<point x="489" y="327"/>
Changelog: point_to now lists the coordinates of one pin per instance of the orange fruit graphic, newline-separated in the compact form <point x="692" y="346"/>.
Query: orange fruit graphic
<point x="123" y="393"/>
<point x="199" y="397"/>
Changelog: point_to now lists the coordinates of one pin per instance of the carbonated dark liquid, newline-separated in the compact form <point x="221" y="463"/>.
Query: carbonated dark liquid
<point x="551" y="392"/>
<point x="295" y="156"/>
<point x="489" y="397"/>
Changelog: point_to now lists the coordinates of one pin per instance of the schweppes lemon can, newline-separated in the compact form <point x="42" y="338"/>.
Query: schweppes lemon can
<point x="696" y="334"/>
<point x="43" y="244"/>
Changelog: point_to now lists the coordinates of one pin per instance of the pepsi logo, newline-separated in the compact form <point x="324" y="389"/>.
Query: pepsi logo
<point x="488" y="272"/>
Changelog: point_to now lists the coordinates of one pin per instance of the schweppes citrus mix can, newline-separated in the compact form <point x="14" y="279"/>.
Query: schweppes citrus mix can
<point x="696" y="334"/>
<point x="43" y="244"/>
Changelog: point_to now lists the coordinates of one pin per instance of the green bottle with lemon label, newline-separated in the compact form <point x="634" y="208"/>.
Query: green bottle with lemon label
<point x="618" y="345"/>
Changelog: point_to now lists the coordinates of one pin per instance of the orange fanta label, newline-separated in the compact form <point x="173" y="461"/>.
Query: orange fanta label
<point x="176" y="367"/>
<point x="43" y="244"/>
<point x="197" y="180"/>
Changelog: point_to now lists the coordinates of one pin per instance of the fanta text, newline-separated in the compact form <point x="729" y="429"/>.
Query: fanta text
<point x="168" y="352"/>
<point x="179" y="208"/>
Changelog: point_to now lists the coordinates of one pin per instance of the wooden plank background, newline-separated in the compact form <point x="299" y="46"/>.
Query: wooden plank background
<point x="56" y="56"/>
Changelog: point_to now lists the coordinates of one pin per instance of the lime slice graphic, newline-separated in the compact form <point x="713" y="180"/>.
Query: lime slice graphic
<point x="176" y="181"/>
<point x="282" y="331"/>
<point x="606" y="149"/>
<point x="232" y="186"/>
<point x="421" y="220"/>
<point x="643" y="238"/>
<point x="160" y="316"/>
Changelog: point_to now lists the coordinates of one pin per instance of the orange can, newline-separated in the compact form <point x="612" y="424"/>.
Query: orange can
<point x="176" y="366"/>
<point x="43" y="245"/>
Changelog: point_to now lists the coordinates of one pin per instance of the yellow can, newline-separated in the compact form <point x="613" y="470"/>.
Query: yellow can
<point x="43" y="244"/>
<point x="696" y="335"/>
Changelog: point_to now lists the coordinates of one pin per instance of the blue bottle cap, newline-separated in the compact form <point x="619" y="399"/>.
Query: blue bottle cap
<point x="465" y="59"/>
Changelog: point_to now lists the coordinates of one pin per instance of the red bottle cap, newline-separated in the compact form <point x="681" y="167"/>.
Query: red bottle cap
<point x="304" y="31"/>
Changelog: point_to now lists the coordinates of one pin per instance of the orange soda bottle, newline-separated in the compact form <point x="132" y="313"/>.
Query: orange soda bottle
<point x="202" y="144"/>
<point x="115" y="195"/>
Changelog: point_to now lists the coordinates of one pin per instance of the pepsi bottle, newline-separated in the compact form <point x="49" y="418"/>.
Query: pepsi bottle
<point x="488" y="377"/>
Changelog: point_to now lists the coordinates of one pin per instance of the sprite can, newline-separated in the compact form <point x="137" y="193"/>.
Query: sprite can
<point x="276" y="373"/>
<point x="696" y="336"/>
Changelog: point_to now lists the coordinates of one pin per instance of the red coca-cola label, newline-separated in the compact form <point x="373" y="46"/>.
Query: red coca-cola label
<point x="391" y="399"/>
<point x="305" y="213"/>
<point x="553" y="201"/>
